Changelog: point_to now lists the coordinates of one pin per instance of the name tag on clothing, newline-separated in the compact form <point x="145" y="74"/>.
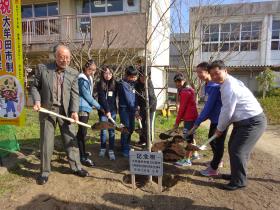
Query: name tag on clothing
<point x="110" y="93"/>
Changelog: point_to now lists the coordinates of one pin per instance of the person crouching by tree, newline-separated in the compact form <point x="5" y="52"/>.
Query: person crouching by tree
<point x="140" y="92"/>
<point x="87" y="102"/>
<point x="127" y="106"/>
<point x="188" y="113"/>
<point x="107" y="93"/>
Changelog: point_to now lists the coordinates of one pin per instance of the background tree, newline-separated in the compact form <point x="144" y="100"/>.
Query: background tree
<point x="266" y="81"/>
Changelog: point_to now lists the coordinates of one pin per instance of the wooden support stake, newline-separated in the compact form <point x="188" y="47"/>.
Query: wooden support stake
<point x="133" y="178"/>
<point x="160" y="184"/>
<point x="133" y="181"/>
<point x="159" y="180"/>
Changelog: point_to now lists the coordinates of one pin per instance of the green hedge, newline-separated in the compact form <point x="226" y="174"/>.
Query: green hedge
<point x="271" y="106"/>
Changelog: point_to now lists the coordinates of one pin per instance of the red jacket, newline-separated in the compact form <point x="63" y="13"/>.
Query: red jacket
<point x="187" y="109"/>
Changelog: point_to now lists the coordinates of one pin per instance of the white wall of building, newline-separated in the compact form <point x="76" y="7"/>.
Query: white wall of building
<point x="159" y="46"/>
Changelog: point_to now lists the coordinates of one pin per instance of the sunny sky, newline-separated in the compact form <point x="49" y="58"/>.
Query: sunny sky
<point x="186" y="4"/>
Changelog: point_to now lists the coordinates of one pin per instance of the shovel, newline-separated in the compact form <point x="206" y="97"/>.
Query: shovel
<point x="139" y="129"/>
<point x="168" y="134"/>
<point x="120" y="127"/>
<point x="95" y="126"/>
<point x="192" y="147"/>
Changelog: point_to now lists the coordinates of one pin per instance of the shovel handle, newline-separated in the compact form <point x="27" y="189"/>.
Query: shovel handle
<point x="140" y="123"/>
<point x="113" y="121"/>
<point x="209" y="140"/>
<point x="63" y="117"/>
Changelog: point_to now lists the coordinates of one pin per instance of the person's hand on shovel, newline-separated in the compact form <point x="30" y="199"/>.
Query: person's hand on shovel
<point x="75" y="116"/>
<point x="37" y="106"/>
<point x="108" y="115"/>
<point x="137" y="115"/>
<point x="218" y="133"/>
<point x="191" y="131"/>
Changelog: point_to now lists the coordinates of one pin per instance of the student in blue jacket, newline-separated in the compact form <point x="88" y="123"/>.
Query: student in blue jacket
<point x="87" y="102"/>
<point x="107" y="93"/>
<point x="211" y="111"/>
<point x="127" y="106"/>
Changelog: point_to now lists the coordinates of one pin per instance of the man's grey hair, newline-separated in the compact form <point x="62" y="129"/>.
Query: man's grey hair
<point x="60" y="46"/>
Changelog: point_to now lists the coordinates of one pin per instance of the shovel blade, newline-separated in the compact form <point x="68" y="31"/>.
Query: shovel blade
<point x="192" y="147"/>
<point x="102" y="125"/>
<point x="164" y="136"/>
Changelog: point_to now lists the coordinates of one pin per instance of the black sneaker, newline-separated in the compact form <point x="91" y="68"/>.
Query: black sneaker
<point x="232" y="187"/>
<point x="41" y="180"/>
<point x="81" y="173"/>
<point x="88" y="162"/>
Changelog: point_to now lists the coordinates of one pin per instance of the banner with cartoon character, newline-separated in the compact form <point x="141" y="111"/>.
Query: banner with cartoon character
<point x="11" y="65"/>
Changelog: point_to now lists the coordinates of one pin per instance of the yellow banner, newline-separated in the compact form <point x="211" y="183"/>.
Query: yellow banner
<point x="11" y="64"/>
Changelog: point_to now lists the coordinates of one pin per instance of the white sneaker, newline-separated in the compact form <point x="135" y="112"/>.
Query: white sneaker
<point x="102" y="153"/>
<point x="111" y="155"/>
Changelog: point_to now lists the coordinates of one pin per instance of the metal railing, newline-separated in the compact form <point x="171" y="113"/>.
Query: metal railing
<point x="58" y="28"/>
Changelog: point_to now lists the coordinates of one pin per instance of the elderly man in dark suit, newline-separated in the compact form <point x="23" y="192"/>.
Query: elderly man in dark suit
<point x="55" y="88"/>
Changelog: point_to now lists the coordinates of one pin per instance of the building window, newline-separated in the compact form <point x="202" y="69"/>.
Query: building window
<point x="101" y="6"/>
<point x="39" y="10"/>
<point x="231" y="37"/>
<point x="26" y="11"/>
<point x="42" y="26"/>
<point x="275" y="43"/>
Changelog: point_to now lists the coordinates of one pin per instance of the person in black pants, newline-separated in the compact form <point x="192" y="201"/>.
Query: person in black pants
<point x="87" y="102"/>
<point x="242" y="109"/>
<point x="140" y="92"/>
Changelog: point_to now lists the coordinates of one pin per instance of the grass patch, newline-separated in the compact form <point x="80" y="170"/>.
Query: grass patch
<point x="271" y="109"/>
<point x="8" y="183"/>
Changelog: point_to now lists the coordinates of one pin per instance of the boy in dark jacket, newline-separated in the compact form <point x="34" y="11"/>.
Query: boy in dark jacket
<point x="127" y="106"/>
<point x="140" y="89"/>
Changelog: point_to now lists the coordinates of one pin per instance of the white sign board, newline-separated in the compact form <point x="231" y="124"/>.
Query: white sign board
<point x="146" y="163"/>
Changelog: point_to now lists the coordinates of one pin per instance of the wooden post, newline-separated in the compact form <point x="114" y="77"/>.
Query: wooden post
<point x="160" y="184"/>
<point x="159" y="180"/>
<point x="133" y="181"/>
<point x="133" y="178"/>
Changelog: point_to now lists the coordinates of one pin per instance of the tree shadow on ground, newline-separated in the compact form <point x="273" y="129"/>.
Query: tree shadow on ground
<point x="46" y="202"/>
<point x="148" y="202"/>
<point x="122" y="201"/>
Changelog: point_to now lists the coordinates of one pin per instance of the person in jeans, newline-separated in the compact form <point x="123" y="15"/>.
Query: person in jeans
<point x="127" y="106"/>
<point x="242" y="109"/>
<point x="107" y="93"/>
<point x="188" y="113"/>
<point x="140" y="90"/>
<point x="211" y="111"/>
<point x="87" y="102"/>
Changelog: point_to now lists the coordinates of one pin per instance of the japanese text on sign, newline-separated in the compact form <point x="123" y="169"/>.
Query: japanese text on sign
<point x="146" y="163"/>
